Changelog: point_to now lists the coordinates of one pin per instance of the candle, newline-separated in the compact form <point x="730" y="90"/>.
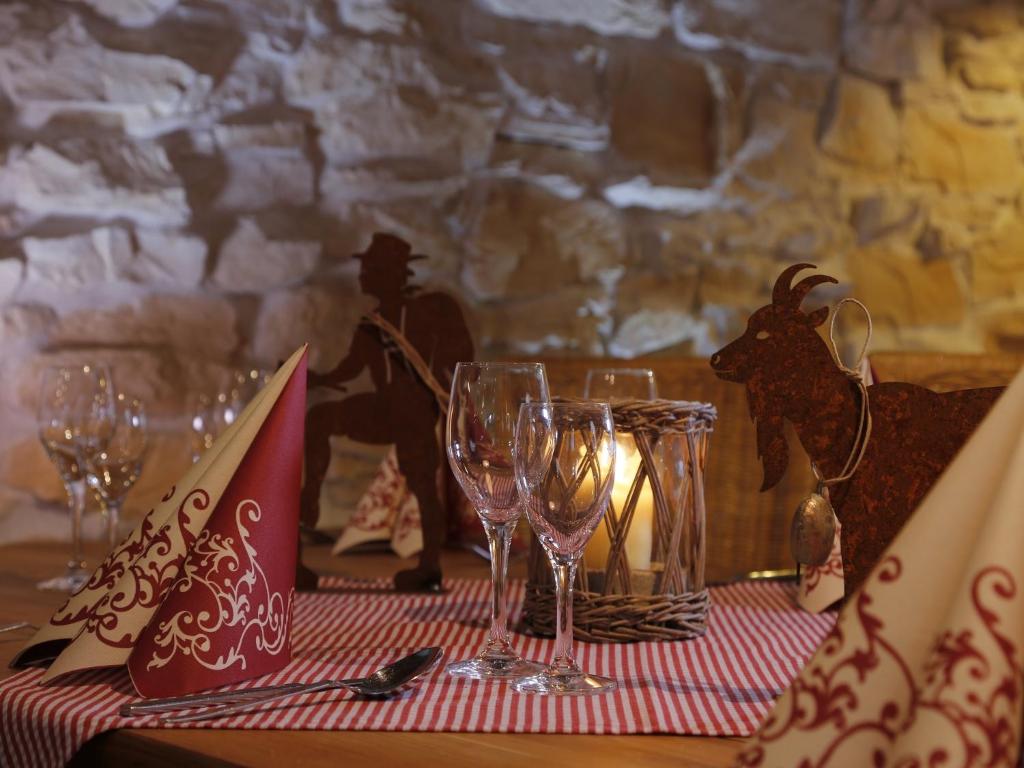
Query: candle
<point x="641" y="529"/>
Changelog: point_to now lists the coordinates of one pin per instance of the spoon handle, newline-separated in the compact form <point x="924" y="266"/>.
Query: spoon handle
<point x="239" y="707"/>
<point x="156" y="706"/>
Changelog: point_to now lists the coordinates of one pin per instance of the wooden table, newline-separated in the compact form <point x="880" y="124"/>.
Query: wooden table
<point x="23" y="565"/>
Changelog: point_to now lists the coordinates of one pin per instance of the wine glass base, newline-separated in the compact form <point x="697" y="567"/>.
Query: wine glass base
<point x="554" y="683"/>
<point x="68" y="582"/>
<point x="494" y="668"/>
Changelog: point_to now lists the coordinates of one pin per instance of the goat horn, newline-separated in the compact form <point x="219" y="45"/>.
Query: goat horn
<point x="801" y="289"/>
<point x="781" y="291"/>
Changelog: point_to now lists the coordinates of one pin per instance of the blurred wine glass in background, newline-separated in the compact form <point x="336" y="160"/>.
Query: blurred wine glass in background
<point x="74" y="410"/>
<point x="210" y="415"/>
<point x="114" y="464"/>
<point x="620" y="384"/>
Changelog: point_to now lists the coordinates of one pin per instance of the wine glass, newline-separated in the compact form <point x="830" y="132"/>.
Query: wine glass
<point x="210" y="416"/>
<point x="564" y="465"/>
<point x="620" y="384"/>
<point x="113" y="465"/>
<point x="72" y="408"/>
<point x="480" y="434"/>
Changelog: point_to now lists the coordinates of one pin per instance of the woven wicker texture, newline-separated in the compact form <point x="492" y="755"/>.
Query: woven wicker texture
<point x="746" y="530"/>
<point x="672" y="440"/>
<point x="601" y="618"/>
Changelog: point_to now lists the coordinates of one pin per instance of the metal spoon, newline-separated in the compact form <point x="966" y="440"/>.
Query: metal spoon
<point x="386" y="680"/>
<point x="17" y="625"/>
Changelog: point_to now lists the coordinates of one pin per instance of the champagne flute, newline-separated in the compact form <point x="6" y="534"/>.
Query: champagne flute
<point x="620" y="384"/>
<point x="480" y="434"/>
<point x="114" y="464"/>
<point x="71" y="404"/>
<point x="564" y="465"/>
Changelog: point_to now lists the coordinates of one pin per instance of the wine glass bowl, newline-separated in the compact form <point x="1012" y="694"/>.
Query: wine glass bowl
<point x="480" y="437"/>
<point x="114" y="464"/>
<point x="564" y="465"/>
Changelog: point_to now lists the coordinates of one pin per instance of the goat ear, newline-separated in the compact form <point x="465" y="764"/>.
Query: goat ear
<point x="817" y="317"/>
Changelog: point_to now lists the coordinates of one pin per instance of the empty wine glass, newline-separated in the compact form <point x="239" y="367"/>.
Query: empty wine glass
<point x="210" y="416"/>
<point x="72" y="407"/>
<point x="620" y="384"/>
<point x="480" y="433"/>
<point x="113" y="465"/>
<point x="564" y="465"/>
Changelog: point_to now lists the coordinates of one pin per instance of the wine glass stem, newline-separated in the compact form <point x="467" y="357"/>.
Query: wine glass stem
<point x="565" y="574"/>
<point x="113" y="508"/>
<point x="76" y="496"/>
<point x="499" y="539"/>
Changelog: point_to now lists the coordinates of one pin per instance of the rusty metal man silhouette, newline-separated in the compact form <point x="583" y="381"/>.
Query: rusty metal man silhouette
<point x="405" y="407"/>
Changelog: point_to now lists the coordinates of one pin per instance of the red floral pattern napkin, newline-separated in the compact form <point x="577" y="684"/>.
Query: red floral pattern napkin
<point x="924" y="666"/>
<point x="200" y="593"/>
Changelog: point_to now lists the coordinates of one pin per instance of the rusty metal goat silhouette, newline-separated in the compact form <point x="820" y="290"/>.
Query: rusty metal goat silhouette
<point x="790" y="374"/>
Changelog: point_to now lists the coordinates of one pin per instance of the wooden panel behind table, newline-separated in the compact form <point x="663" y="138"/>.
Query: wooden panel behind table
<point x="747" y="530"/>
<point x="944" y="372"/>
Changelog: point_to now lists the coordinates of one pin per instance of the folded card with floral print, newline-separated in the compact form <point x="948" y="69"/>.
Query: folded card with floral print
<point x="200" y="593"/>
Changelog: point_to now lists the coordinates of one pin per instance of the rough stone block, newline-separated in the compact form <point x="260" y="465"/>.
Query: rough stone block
<point x="131" y="13"/>
<point x="590" y="234"/>
<point x="23" y="327"/>
<point x="527" y="242"/>
<point x="199" y="325"/>
<point x="655" y="312"/>
<point x="663" y="114"/>
<point x="907" y="47"/>
<point x="68" y="71"/>
<point x="99" y="256"/>
<point x="249" y="262"/>
<point x="997" y="262"/>
<point x="11" y="273"/>
<point x="989" y="64"/>
<point x="879" y="216"/>
<point x="634" y="18"/>
<point x="982" y="19"/>
<point x="569" y="321"/>
<point x="905" y="290"/>
<point x="556" y="87"/>
<point x="324" y="315"/>
<point x="258" y="178"/>
<point x="168" y="258"/>
<point x="103" y="179"/>
<point x="1004" y="331"/>
<point x="375" y="16"/>
<point x="385" y="184"/>
<point x="805" y="29"/>
<point x="939" y="146"/>
<point x="860" y="125"/>
<point x="336" y="69"/>
<point x="397" y="123"/>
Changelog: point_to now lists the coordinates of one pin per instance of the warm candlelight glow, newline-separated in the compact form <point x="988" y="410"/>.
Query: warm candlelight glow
<point x="641" y="529"/>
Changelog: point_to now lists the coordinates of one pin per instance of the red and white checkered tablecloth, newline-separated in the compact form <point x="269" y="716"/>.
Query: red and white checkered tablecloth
<point x="720" y="684"/>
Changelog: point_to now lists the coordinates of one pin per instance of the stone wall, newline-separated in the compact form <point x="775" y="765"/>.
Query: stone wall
<point x="183" y="181"/>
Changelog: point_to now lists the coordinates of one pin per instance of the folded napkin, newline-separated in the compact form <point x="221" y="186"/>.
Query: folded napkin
<point x="924" y="666"/>
<point x="200" y="593"/>
<point x="387" y="511"/>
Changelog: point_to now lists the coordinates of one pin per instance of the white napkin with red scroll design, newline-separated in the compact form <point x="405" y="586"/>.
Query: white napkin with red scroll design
<point x="924" y="666"/>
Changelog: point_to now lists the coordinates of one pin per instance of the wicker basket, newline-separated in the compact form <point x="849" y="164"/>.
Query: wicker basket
<point x="669" y="601"/>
